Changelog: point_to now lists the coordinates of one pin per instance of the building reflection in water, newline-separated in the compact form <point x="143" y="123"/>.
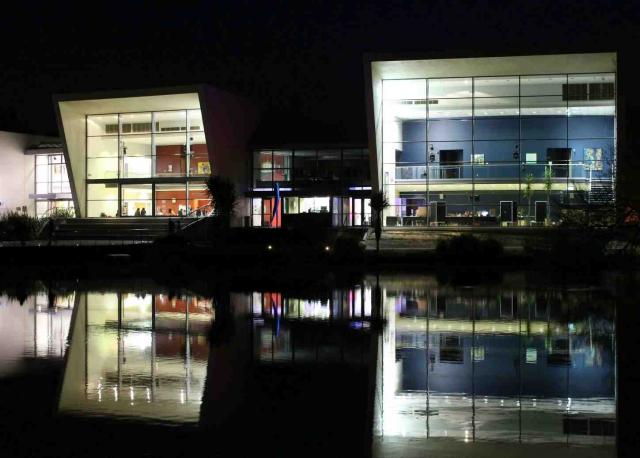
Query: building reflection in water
<point x="507" y="364"/>
<point x="35" y="330"/>
<point x="137" y="355"/>
<point x="284" y="326"/>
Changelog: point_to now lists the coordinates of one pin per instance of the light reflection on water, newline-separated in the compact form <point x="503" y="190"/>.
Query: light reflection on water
<point x="137" y="355"/>
<point x="34" y="331"/>
<point x="506" y="363"/>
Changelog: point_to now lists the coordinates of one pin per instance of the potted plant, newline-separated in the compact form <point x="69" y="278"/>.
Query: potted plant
<point x="528" y="193"/>
<point x="548" y="182"/>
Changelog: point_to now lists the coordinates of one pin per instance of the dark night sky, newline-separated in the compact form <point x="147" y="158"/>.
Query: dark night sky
<point x="300" y="60"/>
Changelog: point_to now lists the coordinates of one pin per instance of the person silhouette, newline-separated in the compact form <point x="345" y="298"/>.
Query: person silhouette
<point x="137" y="213"/>
<point x="143" y="212"/>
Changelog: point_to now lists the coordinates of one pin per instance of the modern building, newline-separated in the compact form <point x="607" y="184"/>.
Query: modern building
<point x="491" y="140"/>
<point x="148" y="153"/>
<point x="331" y="182"/>
<point x="483" y="140"/>
<point x="33" y="176"/>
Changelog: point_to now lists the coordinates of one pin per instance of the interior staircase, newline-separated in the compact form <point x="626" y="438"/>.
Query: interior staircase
<point x="601" y="191"/>
<point x="147" y="228"/>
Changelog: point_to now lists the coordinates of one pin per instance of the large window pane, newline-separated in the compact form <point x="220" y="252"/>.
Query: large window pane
<point x="314" y="204"/>
<point x="542" y="85"/>
<point x="102" y="167"/>
<point x="291" y="205"/>
<point x="591" y="95"/>
<point x="498" y="128"/>
<point x="195" y="120"/>
<point x="102" y="125"/>
<point x="136" y="200"/>
<point x="102" y="209"/>
<point x="538" y="127"/>
<point x="449" y="130"/>
<point x="135" y="123"/>
<point x="262" y="159"/>
<point x="543" y="106"/>
<point x="199" y="199"/>
<point x="102" y="192"/>
<point x="355" y="166"/>
<point x="450" y="108"/>
<point x="449" y="88"/>
<point x="170" y="121"/>
<point x="496" y="106"/>
<point x="329" y="165"/>
<point x="136" y="156"/>
<point x="199" y="161"/>
<point x="282" y="165"/>
<point x="404" y="89"/>
<point x="171" y="199"/>
<point x="102" y="146"/>
<point x="102" y="200"/>
<point x="499" y="86"/>
<point x="403" y="120"/>
<point x="170" y="154"/>
<point x="304" y="165"/>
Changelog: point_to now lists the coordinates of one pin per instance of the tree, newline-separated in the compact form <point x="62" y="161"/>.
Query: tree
<point x="528" y="192"/>
<point x="378" y="203"/>
<point x="548" y="182"/>
<point x="223" y="197"/>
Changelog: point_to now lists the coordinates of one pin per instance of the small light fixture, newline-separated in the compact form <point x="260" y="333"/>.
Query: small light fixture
<point x="327" y="248"/>
<point x="269" y="247"/>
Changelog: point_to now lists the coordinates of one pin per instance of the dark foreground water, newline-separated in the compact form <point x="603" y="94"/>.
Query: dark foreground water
<point x="389" y="365"/>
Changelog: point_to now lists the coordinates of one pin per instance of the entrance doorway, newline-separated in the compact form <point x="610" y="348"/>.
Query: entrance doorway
<point x="356" y="211"/>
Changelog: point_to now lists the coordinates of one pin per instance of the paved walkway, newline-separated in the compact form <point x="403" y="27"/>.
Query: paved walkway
<point x="423" y="239"/>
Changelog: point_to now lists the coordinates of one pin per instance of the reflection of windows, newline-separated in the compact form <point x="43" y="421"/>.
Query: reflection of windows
<point x="531" y="158"/>
<point x="478" y="353"/>
<point x="478" y="158"/>
<point x="559" y="354"/>
<point x="451" y="349"/>
<point x="531" y="356"/>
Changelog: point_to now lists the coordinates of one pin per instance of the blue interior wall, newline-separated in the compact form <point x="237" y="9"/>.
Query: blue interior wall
<point x="497" y="138"/>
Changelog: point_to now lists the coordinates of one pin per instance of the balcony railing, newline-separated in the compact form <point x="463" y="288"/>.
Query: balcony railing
<point x="507" y="170"/>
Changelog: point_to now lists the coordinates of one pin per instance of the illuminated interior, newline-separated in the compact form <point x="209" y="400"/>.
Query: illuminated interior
<point x="470" y="133"/>
<point x="138" y="355"/>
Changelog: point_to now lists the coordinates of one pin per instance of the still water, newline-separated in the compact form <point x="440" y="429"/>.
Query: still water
<point x="390" y="365"/>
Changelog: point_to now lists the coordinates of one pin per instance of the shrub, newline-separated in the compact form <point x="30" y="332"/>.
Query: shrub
<point x="18" y="226"/>
<point x="61" y="213"/>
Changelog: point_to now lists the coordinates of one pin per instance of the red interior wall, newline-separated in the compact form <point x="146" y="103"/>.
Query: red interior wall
<point x="170" y="154"/>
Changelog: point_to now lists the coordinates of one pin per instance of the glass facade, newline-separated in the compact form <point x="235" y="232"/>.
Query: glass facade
<point x="125" y="148"/>
<point x="52" y="189"/>
<point x="305" y="167"/>
<point x="471" y="143"/>
<point x="325" y="180"/>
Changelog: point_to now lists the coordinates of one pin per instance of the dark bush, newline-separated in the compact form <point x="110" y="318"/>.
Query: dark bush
<point x="348" y="249"/>
<point x="469" y="248"/>
<point x="18" y="226"/>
